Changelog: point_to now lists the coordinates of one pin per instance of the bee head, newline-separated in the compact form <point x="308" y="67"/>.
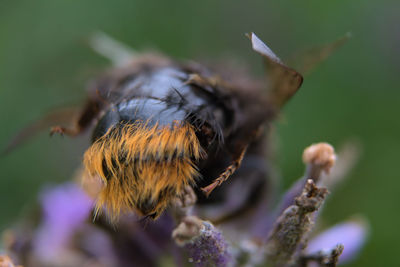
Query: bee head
<point x="143" y="166"/>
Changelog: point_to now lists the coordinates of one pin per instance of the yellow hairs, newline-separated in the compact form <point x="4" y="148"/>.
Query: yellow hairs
<point x="143" y="167"/>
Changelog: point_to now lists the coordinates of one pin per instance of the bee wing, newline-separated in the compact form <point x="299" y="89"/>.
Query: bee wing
<point x="308" y="60"/>
<point x="283" y="81"/>
<point x="64" y="116"/>
<point x="118" y="53"/>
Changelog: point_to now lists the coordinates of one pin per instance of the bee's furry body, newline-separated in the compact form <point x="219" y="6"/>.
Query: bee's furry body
<point x="162" y="125"/>
<point x="158" y="125"/>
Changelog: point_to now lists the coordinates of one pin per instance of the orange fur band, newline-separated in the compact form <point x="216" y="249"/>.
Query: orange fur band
<point x="143" y="168"/>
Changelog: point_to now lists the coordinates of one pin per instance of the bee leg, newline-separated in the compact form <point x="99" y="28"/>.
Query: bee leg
<point x="79" y="124"/>
<point x="62" y="130"/>
<point x="226" y="174"/>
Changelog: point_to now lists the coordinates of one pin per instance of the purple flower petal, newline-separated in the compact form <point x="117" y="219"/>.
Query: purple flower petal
<point x="352" y="235"/>
<point x="65" y="208"/>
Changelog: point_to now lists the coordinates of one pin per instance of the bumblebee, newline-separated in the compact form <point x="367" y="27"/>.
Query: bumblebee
<point x="160" y="125"/>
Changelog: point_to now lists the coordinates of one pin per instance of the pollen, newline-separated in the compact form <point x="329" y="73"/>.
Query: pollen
<point x="142" y="167"/>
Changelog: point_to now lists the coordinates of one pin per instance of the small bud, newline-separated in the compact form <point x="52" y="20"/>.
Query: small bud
<point x="321" y="155"/>
<point x="5" y="261"/>
<point x="187" y="230"/>
<point x="204" y="243"/>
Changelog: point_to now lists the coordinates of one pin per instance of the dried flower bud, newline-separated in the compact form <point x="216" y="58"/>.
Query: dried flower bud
<point x="205" y="244"/>
<point x="321" y="155"/>
<point x="188" y="229"/>
<point x="5" y="261"/>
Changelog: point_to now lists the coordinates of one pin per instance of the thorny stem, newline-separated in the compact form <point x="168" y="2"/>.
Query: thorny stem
<point x="293" y="225"/>
<point x="323" y="258"/>
<point x="291" y="229"/>
<point x="319" y="158"/>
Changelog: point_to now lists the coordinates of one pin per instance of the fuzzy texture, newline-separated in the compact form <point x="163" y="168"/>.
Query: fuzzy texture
<point x="204" y="243"/>
<point x="293" y="226"/>
<point x="209" y="248"/>
<point x="143" y="167"/>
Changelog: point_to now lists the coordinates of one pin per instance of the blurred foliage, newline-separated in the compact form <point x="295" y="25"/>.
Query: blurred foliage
<point x="45" y="62"/>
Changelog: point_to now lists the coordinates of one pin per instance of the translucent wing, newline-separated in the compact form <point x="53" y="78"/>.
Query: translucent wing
<point x="283" y="81"/>
<point x="307" y="61"/>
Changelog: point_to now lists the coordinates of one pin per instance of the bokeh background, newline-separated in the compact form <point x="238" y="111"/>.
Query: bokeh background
<point x="45" y="63"/>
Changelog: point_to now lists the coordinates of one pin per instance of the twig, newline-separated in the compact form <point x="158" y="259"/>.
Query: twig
<point x="293" y="225"/>
<point x="323" y="258"/>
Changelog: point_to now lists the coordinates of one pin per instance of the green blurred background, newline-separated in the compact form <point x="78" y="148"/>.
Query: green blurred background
<point x="45" y="63"/>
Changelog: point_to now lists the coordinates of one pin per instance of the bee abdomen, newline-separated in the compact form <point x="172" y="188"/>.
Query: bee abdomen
<point x="143" y="166"/>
